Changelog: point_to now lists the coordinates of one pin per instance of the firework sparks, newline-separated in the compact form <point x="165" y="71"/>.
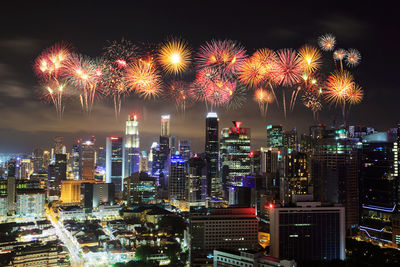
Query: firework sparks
<point x="179" y="93"/>
<point x="327" y="42"/>
<point x="355" y="95"/>
<point x="117" y="56"/>
<point x="174" y="56"/>
<point x="85" y="74"/>
<point x="225" y="56"/>
<point x="312" y="101"/>
<point x="337" y="87"/>
<point x="310" y="57"/>
<point x="353" y="57"/>
<point x="263" y="98"/>
<point x="289" y="67"/>
<point x="143" y="77"/>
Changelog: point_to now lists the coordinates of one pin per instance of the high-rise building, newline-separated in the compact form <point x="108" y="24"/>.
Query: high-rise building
<point x="37" y="158"/>
<point x="297" y="173"/>
<point x="176" y="179"/>
<point x="114" y="162"/>
<point x="165" y="120"/>
<point x="58" y="145"/>
<point x="334" y="173"/>
<point x="307" y="232"/>
<point x="274" y="136"/>
<point x="222" y="228"/>
<point x="101" y="157"/>
<point x="379" y="183"/>
<point x="132" y="150"/>
<point x="196" y="180"/>
<point x="214" y="182"/>
<point x="96" y="194"/>
<point x="184" y="149"/>
<point x="75" y="161"/>
<point x="235" y="154"/>
<point x="290" y="140"/>
<point x="87" y="159"/>
<point x="143" y="161"/>
<point x="140" y="188"/>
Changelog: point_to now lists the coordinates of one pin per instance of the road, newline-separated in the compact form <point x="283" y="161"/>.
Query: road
<point x="64" y="236"/>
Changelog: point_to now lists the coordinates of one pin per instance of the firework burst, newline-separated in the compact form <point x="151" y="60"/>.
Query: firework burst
<point x="353" y="57"/>
<point x="263" y="98"/>
<point x="144" y="78"/>
<point x="338" y="86"/>
<point x="225" y="56"/>
<point x="327" y="42"/>
<point x="289" y="67"/>
<point x="174" y="56"/>
<point x="117" y="56"/>
<point x="85" y="74"/>
<point x="310" y="58"/>
<point x="312" y="101"/>
<point x="179" y="93"/>
<point x="355" y="95"/>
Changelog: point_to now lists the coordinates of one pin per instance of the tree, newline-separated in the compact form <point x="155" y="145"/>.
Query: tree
<point x="143" y="252"/>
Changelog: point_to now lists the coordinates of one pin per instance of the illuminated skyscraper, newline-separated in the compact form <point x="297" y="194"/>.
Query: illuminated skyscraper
<point x="184" y="149"/>
<point x="131" y="146"/>
<point x="290" y="140"/>
<point x="165" y="125"/>
<point x="176" y="180"/>
<point x="37" y="158"/>
<point x="214" y="182"/>
<point x="235" y="154"/>
<point x="87" y="159"/>
<point x="274" y="136"/>
<point x="114" y="162"/>
<point x="58" y="145"/>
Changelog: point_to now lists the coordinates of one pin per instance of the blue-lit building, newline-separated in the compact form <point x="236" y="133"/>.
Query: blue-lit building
<point x="176" y="181"/>
<point x="114" y="162"/>
<point x="379" y="186"/>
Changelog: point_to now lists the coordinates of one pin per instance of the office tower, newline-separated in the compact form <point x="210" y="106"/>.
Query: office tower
<point x="379" y="183"/>
<point x="308" y="231"/>
<point x="140" y="188"/>
<point x="60" y="167"/>
<point x="223" y="228"/>
<point x="46" y="159"/>
<point x="153" y="159"/>
<point x="131" y="156"/>
<point x="272" y="168"/>
<point x="96" y="194"/>
<point x="184" y="149"/>
<point x="101" y="157"/>
<point x="30" y="202"/>
<point x="114" y="162"/>
<point x="11" y="192"/>
<point x="143" y="161"/>
<point x="274" y="136"/>
<point x="359" y="131"/>
<point x="71" y="191"/>
<point x="235" y="151"/>
<point x="75" y="161"/>
<point x="12" y="166"/>
<point x="172" y="144"/>
<point x="255" y="162"/>
<point x="37" y="158"/>
<point x="57" y="173"/>
<point x="165" y="119"/>
<point x="176" y="179"/>
<point x="196" y="180"/>
<point x="297" y="173"/>
<point x="334" y="172"/>
<point x="214" y="182"/>
<point x="290" y="140"/>
<point x="163" y="159"/>
<point x="306" y="144"/>
<point x="58" y="144"/>
<point x="87" y="159"/>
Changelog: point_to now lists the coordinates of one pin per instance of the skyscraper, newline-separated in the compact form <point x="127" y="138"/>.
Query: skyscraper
<point x="87" y="159"/>
<point x="37" y="158"/>
<point x="196" y="180"/>
<point x="290" y="140"/>
<point x="114" y="162"/>
<point x="58" y="145"/>
<point x="165" y="125"/>
<point x="184" y="149"/>
<point x="214" y="183"/>
<point x="235" y="154"/>
<point x="176" y="179"/>
<point x="274" y="136"/>
<point x="131" y="146"/>
<point x="379" y="183"/>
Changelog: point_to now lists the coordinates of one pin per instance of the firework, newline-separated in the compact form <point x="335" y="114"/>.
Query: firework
<point x="312" y="101"/>
<point x="310" y="58"/>
<point x="355" y="95"/>
<point x="219" y="93"/>
<point x="174" y="56"/>
<point x="338" y="86"/>
<point x="258" y="68"/>
<point x="54" y="92"/>
<point x="84" y="74"/>
<point x="179" y="93"/>
<point x="263" y="98"/>
<point x="238" y="97"/>
<point x="143" y="77"/>
<point x="117" y="56"/>
<point x="327" y="42"/>
<point x="353" y="57"/>
<point x="289" y="67"/>
<point x="225" y="56"/>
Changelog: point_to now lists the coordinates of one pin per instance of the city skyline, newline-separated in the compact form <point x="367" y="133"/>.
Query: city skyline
<point x="27" y="121"/>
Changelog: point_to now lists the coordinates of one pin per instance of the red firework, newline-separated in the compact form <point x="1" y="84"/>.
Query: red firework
<point x="226" y="56"/>
<point x="51" y="62"/>
<point x="289" y="67"/>
<point x="180" y="94"/>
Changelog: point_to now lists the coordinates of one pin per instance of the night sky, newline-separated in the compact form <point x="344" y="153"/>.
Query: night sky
<point x="27" y="29"/>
